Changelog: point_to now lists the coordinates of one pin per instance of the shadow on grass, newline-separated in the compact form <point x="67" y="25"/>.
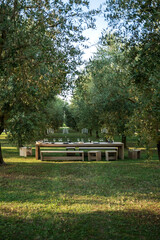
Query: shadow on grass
<point x="98" y="225"/>
<point x="41" y="181"/>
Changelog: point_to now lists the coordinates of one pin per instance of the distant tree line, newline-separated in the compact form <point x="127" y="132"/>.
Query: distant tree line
<point x="120" y="86"/>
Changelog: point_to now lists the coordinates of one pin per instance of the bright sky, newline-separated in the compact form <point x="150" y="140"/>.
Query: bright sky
<point x="94" y="34"/>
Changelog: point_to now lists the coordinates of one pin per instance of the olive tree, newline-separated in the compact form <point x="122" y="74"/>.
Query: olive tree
<point x="138" y="23"/>
<point x="38" y="50"/>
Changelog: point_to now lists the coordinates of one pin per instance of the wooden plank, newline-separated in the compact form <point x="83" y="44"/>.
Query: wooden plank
<point x="94" y="155"/>
<point x="61" y="151"/>
<point x="111" y="151"/>
<point x="106" y="144"/>
<point x="70" y="148"/>
<point x="63" y="158"/>
<point x="111" y="155"/>
<point x="134" y="154"/>
<point x="37" y="152"/>
<point x="73" y="157"/>
<point x="67" y="148"/>
<point x="98" y="148"/>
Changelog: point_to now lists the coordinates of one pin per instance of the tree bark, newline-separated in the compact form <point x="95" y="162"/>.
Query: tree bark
<point x="90" y="132"/>
<point x="1" y="130"/>
<point x="1" y="157"/>
<point x="158" y="149"/>
<point x="124" y="140"/>
<point x="1" y="123"/>
<point x="20" y="141"/>
<point x="97" y="135"/>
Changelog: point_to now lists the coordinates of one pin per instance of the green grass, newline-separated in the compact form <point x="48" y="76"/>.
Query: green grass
<point x="116" y="200"/>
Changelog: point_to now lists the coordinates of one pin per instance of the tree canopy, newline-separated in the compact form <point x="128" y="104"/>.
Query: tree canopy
<point x="137" y="22"/>
<point x="38" y="50"/>
<point x="104" y="96"/>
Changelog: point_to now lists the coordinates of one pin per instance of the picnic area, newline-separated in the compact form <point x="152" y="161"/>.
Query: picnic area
<point x="79" y="120"/>
<point x="68" y="199"/>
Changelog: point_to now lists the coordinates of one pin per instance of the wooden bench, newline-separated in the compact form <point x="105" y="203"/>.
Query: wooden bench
<point x="71" y="148"/>
<point x="111" y="155"/>
<point x="73" y="151"/>
<point x="134" y="154"/>
<point x="98" y="148"/>
<point x="94" y="155"/>
<point x="72" y="157"/>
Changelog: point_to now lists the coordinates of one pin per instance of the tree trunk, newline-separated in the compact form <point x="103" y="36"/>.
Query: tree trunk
<point x="97" y="135"/>
<point x="1" y="130"/>
<point x="124" y="140"/>
<point x="1" y="157"/>
<point x="90" y="132"/>
<point x="20" y="141"/>
<point x="158" y="148"/>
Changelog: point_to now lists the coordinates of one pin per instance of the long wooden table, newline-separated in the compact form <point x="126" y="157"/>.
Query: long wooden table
<point x="119" y="145"/>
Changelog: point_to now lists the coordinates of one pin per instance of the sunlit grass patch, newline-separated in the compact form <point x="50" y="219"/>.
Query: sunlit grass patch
<point x="78" y="200"/>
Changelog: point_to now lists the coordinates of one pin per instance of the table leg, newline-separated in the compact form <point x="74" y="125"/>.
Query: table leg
<point x="121" y="152"/>
<point x="37" y="152"/>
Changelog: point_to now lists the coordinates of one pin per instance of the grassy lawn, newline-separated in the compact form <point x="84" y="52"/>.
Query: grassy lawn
<point x="78" y="200"/>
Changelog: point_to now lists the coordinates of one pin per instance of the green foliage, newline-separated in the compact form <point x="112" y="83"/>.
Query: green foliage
<point x="135" y="19"/>
<point x="54" y="113"/>
<point x="137" y="22"/>
<point x="37" y="53"/>
<point x="25" y="125"/>
<point x="104" y="96"/>
<point x="70" y="117"/>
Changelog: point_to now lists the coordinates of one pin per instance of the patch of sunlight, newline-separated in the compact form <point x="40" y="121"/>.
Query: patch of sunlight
<point x="21" y="160"/>
<point x="3" y="136"/>
<point x="9" y="148"/>
<point x="78" y="206"/>
<point x="141" y="148"/>
<point x="13" y="148"/>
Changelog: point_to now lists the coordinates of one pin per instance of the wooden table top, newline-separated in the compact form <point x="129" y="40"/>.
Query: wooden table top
<point x="78" y="144"/>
